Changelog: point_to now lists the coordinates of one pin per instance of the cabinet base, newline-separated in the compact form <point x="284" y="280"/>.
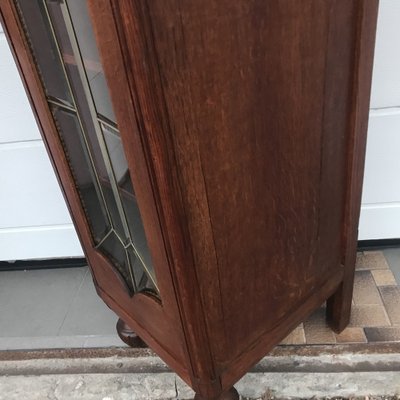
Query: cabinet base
<point x="338" y="306"/>
<point x="127" y="335"/>
<point x="230" y="394"/>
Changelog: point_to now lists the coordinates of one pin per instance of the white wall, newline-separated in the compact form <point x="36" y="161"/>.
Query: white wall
<point x="380" y="214"/>
<point x="34" y="221"/>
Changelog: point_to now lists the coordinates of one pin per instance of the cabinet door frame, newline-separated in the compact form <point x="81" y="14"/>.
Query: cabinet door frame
<point x="157" y="321"/>
<point x="132" y="27"/>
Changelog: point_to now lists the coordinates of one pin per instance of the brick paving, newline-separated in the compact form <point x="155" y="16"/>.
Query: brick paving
<point x="375" y="312"/>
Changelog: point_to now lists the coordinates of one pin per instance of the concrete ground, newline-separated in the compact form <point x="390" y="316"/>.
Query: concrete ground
<point x="122" y="374"/>
<point x="60" y="309"/>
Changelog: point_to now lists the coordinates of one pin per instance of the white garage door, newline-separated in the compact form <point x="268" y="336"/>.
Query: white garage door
<point x="380" y="215"/>
<point x="34" y="221"/>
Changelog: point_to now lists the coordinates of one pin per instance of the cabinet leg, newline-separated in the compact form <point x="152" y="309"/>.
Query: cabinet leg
<point x="338" y="306"/>
<point x="230" y="394"/>
<point x="127" y="335"/>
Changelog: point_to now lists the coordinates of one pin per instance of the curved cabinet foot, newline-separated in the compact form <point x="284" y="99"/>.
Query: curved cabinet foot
<point x="230" y="394"/>
<point x="127" y="335"/>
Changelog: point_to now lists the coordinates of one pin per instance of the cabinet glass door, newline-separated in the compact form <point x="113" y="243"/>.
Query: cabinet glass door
<point x="64" y="49"/>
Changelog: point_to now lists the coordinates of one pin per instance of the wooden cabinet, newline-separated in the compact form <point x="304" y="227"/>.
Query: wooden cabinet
<point x="211" y="154"/>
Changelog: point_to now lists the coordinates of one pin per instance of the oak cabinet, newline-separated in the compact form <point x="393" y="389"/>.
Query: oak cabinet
<point x="211" y="154"/>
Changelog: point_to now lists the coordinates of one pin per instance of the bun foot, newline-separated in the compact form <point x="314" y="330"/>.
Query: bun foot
<point x="127" y="335"/>
<point x="230" y="394"/>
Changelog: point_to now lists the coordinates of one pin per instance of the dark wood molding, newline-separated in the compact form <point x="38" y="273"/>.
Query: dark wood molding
<point x="339" y="305"/>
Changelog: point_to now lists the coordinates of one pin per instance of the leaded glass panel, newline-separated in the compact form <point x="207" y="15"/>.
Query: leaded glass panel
<point x="64" y="48"/>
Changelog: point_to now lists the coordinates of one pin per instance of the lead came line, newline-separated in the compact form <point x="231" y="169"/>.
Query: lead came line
<point x="100" y="126"/>
<point x="85" y="145"/>
<point x="99" y="133"/>
<point x="93" y="113"/>
<point x="131" y="243"/>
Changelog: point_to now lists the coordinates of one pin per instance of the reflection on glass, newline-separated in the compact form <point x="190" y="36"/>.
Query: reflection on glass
<point x="94" y="70"/>
<point x="126" y="192"/>
<point x="71" y="63"/>
<point x="45" y="50"/>
<point x="83" y="173"/>
<point x="64" y="48"/>
<point x="143" y="278"/>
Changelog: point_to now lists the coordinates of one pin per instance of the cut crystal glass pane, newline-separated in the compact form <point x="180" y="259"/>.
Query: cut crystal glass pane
<point x="40" y="37"/>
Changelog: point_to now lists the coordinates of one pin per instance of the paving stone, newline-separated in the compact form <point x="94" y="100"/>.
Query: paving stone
<point x="383" y="277"/>
<point x="371" y="260"/>
<point x="351" y="335"/>
<point x="391" y="300"/>
<point x="295" y="337"/>
<point x="320" y="335"/>
<point x="383" y="334"/>
<point x="365" y="290"/>
<point x="368" y="315"/>
<point x="316" y="329"/>
<point x="392" y="256"/>
<point x="318" y="317"/>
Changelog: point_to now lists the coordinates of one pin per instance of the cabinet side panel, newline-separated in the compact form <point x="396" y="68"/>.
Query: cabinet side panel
<point x="257" y="95"/>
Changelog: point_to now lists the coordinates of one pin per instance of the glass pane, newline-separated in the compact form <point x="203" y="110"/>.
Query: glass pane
<point x="94" y="70"/>
<point x="80" y="97"/>
<point x="114" y="249"/>
<point x="44" y="49"/>
<point x="85" y="180"/>
<point x="142" y="277"/>
<point x="127" y="194"/>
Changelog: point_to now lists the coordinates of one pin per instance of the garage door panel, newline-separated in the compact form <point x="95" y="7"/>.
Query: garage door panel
<point x="40" y="242"/>
<point x="17" y="121"/>
<point x="386" y="76"/>
<point x="380" y="221"/>
<point x="30" y="195"/>
<point x="382" y="166"/>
